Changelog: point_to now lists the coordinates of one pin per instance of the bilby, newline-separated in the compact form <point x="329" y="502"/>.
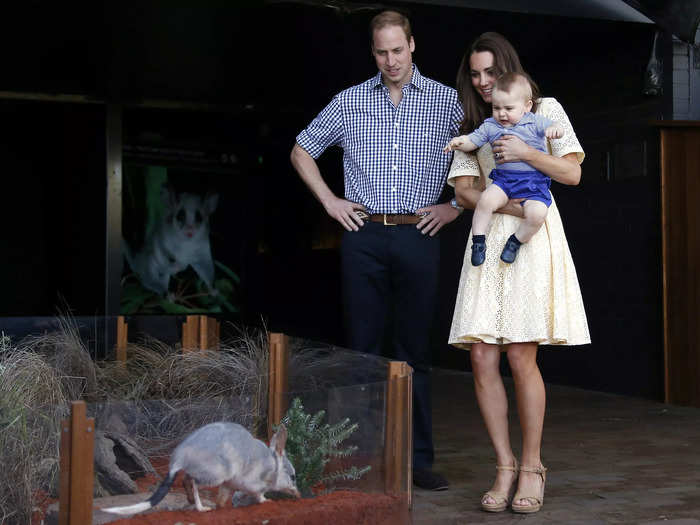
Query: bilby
<point x="228" y="456"/>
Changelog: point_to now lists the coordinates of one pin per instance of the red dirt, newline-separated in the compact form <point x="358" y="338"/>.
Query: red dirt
<point x="342" y="507"/>
<point x="339" y="508"/>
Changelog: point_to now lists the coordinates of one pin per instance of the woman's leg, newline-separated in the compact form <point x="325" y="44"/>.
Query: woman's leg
<point x="530" y="395"/>
<point x="493" y="403"/>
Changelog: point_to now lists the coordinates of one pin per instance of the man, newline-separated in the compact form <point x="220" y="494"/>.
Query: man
<point x="392" y="129"/>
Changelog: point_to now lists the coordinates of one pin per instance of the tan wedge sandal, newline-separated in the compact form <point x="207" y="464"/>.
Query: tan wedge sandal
<point x="501" y="498"/>
<point x="535" y="501"/>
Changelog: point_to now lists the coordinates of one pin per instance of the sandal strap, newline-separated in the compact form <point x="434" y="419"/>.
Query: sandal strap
<point x="498" y="497"/>
<point x="534" y="500"/>
<point x="512" y="468"/>
<point x="535" y="470"/>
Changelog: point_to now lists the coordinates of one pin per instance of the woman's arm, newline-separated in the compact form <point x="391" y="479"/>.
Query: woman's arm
<point x="565" y="170"/>
<point x="468" y="190"/>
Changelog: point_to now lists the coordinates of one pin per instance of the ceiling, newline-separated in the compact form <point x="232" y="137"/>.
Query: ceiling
<point x="679" y="17"/>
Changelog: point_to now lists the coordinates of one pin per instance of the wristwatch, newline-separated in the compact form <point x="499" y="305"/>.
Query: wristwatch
<point x="456" y="206"/>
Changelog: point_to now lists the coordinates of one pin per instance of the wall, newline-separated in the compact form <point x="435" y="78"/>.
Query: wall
<point x="270" y="70"/>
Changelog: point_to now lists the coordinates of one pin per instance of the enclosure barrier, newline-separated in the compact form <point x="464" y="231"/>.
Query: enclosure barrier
<point x="277" y="384"/>
<point x="78" y="432"/>
<point x="122" y="338"/>
<point x="200" y="332"/>
<point x="76" y="467"/>
<point x="398" y="441"/>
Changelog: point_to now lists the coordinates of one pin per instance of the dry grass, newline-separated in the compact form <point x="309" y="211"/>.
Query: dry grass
<point x="161" y="395"/>
<point x="32" y="402"/>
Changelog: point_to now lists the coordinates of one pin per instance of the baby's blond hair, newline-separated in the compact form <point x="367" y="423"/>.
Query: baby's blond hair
<point x="510" y="81"/>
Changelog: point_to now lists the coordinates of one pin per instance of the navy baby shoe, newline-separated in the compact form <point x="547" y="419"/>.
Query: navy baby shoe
<point x="478" y="253"/>
<point x="510" y="250"/>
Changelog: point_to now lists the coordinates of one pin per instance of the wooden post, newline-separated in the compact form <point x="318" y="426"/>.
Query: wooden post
<point x="398" y="445"/>
<point x="190" y="333"/>
<point x="77" y="467"/>
<point x="680" y="229"/>
<point x="278" y="364"/>
<point x="203" y="333"/>
<point x="213" y="333"/>
<point x="122" y="336"/>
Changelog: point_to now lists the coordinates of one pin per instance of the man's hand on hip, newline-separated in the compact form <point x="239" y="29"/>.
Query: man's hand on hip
<point x="436" y="216"/>
<point x="344" y="212"/>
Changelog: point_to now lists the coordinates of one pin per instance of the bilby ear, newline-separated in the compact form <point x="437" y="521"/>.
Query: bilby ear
<point x="279" y="440"/>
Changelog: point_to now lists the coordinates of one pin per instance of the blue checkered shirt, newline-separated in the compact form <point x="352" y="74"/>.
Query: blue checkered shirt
<point x="393" y="159"/>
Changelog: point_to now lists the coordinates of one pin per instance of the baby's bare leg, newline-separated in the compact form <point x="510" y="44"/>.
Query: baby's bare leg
<point x="535" y="214"/>
<point x="491" y="199"/>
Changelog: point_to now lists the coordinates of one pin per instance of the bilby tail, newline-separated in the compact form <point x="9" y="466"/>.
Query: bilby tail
<point x="151" y="502"/>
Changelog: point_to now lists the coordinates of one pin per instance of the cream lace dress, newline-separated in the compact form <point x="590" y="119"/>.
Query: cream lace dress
<point x="535" y="299"/>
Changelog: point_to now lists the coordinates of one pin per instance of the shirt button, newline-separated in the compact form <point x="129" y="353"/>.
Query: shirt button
<point x="393" y="189"/>
<point x="396" y="146"/>
<point x="396" y="124"/>
<point x="394" y="167"/>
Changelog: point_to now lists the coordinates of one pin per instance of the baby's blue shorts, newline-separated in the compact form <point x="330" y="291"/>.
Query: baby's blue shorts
<point x="529" y="185"/>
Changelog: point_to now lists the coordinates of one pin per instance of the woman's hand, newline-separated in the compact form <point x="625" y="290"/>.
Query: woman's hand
<point x="565" y="170"/>
<point x="510" y="148"/>
<point x="513" y="207"/>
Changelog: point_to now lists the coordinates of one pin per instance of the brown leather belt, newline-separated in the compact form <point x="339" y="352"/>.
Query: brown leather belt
<point x="393" y="220"/>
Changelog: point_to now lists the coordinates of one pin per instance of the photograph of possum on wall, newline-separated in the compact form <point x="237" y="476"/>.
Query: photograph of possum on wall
<point x="170" y="265"/>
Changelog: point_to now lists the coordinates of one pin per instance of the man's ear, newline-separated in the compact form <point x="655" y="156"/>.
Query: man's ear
<point x="412" y="45"/>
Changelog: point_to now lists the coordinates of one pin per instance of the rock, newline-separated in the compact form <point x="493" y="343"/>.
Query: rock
<point x="116" y="457"/>
<point x="111" y="478"/>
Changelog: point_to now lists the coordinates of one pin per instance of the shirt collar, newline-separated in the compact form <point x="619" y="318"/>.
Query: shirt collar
<point x="416" y="79"/>
<point x="527" y="118"/>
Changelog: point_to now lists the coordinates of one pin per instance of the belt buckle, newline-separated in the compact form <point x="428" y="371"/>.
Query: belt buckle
<point x="388" y="223"/>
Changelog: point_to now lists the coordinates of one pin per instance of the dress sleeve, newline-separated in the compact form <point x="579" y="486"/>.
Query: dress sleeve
<point x="463" y="165"/>
<point x="553" y="110"/>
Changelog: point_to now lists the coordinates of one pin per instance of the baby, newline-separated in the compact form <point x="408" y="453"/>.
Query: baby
<point x="511" y="100"/>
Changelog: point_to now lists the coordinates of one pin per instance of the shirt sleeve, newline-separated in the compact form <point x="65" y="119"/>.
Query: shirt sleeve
<point x="324" y="131"/>
<point x="480" y="135"/>
<point x="542" y="124"/>
<point x="457" y="118"/>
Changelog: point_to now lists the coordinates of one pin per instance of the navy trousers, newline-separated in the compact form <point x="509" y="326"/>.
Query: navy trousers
<point x="390" y="281"/>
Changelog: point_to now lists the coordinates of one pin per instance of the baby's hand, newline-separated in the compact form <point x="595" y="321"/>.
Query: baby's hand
<point x="455" y="143"/>
<point x="555" y="131"/>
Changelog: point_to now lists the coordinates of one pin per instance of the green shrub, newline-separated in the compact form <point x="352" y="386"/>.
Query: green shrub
<point x="312" y="444"/>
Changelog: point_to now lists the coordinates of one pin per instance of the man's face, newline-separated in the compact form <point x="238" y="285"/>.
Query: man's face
<point x="392" y="52"/>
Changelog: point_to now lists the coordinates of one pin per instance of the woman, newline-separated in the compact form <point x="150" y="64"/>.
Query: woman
<point x="514" y="308"/>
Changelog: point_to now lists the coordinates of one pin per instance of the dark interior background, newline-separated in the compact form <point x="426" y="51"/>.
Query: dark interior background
<point x="263" y="72"/>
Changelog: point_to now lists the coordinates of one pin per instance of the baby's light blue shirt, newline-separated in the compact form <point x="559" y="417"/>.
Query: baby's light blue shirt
<point x="530" y="129"/>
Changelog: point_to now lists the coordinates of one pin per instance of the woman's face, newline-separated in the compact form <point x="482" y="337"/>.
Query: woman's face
<point x="482" y="72"/>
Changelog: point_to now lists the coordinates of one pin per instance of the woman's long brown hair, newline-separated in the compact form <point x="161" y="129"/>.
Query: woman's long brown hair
<point x="505" y="59"/>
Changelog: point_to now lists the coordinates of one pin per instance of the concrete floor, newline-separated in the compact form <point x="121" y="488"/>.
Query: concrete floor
<point x="610" y="459"/>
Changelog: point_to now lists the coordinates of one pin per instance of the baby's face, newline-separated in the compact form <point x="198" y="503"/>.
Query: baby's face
<point x="509" y="107"/>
